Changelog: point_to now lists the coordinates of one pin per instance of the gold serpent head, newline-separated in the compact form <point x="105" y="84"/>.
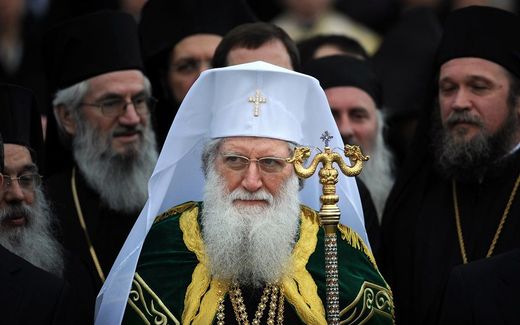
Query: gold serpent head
<point x="300" y="155"/>
<point x="354" y="153"/>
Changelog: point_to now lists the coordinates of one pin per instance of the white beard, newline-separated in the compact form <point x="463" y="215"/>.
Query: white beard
<point x="35" y="241"/>
<point x="120" y="180"/>
<point x="377" y="174"/>
<point x="249" y="245"/>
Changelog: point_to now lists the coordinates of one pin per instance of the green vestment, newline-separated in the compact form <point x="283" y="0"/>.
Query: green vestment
<point x="172" y="284"/>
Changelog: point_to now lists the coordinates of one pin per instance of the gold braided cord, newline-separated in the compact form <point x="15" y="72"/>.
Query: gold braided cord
<point x="201" y="277"/>
<point x="84" y="226"/>
<point x="500" y="225"/>
<point x="457" y="222"/>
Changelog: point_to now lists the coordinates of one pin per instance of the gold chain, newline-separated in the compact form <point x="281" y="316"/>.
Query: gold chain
<point x="84" y="226"/>
<point x="500" y="225"/>
<point x="235" y="295"/>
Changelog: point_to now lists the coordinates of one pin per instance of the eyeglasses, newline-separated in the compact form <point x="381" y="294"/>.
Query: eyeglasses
<point x="266" y="164"/>
<point x="190" y="65"/>
<point x="117" y="106"/>
<point x="27" y="182"/>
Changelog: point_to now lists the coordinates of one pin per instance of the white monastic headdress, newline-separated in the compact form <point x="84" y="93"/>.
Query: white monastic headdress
<point x="254" y="99"/>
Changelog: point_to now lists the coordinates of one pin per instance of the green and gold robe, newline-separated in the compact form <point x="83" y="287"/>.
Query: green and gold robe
<point x="172" y="283"/>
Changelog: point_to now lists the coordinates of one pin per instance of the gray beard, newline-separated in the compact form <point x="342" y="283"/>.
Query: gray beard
<point x="377" y="174"/>
<point x="469" y="160"/>
<point x="121" y="180"/>
<point x="35" y="241"/>
<point x="251" y="246"/>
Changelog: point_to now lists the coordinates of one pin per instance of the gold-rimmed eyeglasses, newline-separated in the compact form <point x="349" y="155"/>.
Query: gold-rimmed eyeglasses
<point x="266" y="164"/>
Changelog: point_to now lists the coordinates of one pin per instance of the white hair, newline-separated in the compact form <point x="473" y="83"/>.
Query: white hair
<point x="377" y="172"/>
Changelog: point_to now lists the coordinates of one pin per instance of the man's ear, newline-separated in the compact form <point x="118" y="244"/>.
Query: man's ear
<point x="66" y="120"/>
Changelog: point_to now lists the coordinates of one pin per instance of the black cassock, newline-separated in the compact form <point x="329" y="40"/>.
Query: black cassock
<point x="106" y="228"/>
<point x="29" y="295"/>
<point x="420" y="245"/>
<point x="484" y="292"/>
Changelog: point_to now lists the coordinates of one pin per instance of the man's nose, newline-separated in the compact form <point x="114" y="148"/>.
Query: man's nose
<point x="130" y="116"/>
<point x="345" y="127"/>
<point x="13" y="192"/>
<point x="252" y="180"/>
<point x="461" y="100"/>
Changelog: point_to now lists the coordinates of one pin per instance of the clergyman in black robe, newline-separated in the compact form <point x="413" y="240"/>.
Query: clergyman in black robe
<point x="456" y="202"/>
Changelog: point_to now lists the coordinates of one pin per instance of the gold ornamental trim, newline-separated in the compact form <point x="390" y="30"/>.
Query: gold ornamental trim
<point x="203" y="293"/>
<point x="173" y="211"/>
<point x="147" y="304"/>
<point x="354" y="240"/>
<point x="374" y="299"/>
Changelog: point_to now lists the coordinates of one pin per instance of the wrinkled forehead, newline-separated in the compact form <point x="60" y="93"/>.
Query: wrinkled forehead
<point x="248" y="144"/>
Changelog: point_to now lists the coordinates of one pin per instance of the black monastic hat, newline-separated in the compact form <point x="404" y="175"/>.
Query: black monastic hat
<point x="166" y="22"/>
<point x="82" y="48"/>
<point x="343" y="70"/>
<point x="90" y="45"/>
<point x="482" y="32"/>
<point x="20" y="119"/>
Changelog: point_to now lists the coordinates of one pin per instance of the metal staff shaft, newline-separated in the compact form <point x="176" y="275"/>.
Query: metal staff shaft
<point x="329" y="211"/>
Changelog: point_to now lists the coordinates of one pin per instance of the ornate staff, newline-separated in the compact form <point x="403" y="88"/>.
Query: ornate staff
<point x="329" y="211"/>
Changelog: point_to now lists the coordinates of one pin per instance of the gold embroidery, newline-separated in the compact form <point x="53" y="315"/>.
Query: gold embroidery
<point x="175" y="210"/>
<point x="203" y="293"/>
<point x="159" y="314"/>
<point x="373" y="299"/>
<point x="351" y="237"/>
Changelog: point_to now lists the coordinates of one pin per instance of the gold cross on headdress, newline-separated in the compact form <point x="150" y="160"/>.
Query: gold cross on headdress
<point x="257" y="99"/>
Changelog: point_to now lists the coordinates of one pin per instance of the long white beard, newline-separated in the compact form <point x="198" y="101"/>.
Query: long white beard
<point x="35" y="241"/>
<point x="251" y="246"/>
<point x="377" y="174"/>
<point x="120" y="180"/>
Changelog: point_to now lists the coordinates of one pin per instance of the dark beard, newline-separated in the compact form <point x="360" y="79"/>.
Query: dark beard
<point x="469" y="160"/>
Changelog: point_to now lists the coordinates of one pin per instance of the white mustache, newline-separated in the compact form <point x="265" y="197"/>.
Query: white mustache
<point x="241" y="194"/>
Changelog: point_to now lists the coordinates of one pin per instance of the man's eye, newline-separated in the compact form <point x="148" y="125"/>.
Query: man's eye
<point x="25" y="180"/>
<point x="232" y="158"/>
<point x="271" y="164"/>
<point x="358" y="115"/>
<point x="139" y="100"/>
<point x="480" y="87"/>
<point x="235" y="160"/>
<point x="110" y="104"/>
<point x="187" y="66"/>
